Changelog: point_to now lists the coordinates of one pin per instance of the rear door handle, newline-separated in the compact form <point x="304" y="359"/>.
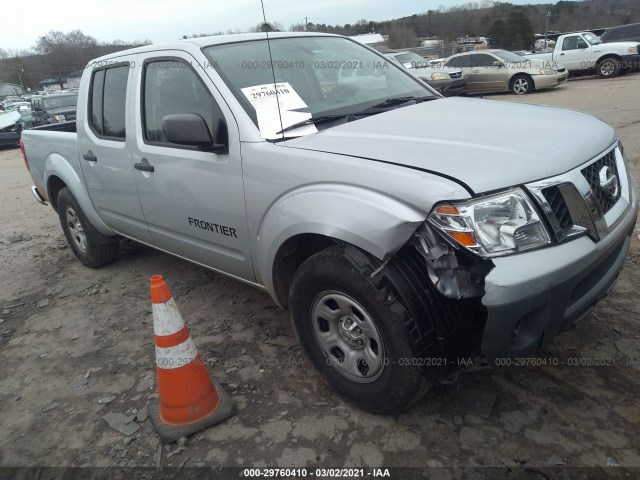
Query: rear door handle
<point x="90" y="157"/>
<point x="144" y="166"/>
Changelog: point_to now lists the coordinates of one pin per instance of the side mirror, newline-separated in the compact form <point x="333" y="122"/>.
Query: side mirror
<point x="497" y="63"/>
<point x="191" y="130"/>
<point x="583" y="45"/>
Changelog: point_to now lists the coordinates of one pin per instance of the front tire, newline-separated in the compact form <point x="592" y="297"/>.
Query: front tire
<point x="608" y="68"/>
<point x="82" y="237"/>
<point x="354" y="333"/>
<point x="522" y="84"/>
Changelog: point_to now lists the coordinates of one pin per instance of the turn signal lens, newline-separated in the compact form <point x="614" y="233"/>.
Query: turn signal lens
<point x="465" y="239"/>
<point x="447" y="210"/>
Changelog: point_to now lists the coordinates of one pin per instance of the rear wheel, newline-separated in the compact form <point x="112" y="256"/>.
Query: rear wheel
<point x="608" y="67"/>
<point x="521" y="84"/>
<point x="354" y="333"/>
<point x="88" y="245"/>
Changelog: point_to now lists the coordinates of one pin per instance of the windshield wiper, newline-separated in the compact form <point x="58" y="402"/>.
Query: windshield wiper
<point x="316" y="121"/>
<point x="390" y="102"/>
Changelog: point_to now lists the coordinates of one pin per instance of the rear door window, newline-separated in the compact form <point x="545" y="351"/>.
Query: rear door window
<point x="107" y="104"/>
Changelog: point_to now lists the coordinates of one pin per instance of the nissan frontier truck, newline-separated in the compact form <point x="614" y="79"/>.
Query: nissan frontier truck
<point x="402" y="230"/>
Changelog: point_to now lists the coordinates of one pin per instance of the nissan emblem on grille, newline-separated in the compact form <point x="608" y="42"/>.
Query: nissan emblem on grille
<point x="608" y="182"/>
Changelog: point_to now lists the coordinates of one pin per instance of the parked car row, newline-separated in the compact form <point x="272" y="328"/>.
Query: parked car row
<point x="17" y="115"/>
<point x="483" y="71"/>
<point x="522" y="72"/>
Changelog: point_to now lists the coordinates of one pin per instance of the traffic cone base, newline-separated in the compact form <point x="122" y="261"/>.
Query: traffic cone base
<point x="172" y="432"/>
<point x="188" y="399"/>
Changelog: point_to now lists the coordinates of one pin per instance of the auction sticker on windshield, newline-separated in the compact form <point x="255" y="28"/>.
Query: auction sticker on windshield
<point x="275" y="105"/>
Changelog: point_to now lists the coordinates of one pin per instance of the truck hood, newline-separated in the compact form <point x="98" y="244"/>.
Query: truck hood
<point x="621" y="45"/>
<point x="483" y="144"/>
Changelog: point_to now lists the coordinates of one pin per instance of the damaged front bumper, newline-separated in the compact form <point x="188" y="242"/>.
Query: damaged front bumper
<point x="531" y="297"/>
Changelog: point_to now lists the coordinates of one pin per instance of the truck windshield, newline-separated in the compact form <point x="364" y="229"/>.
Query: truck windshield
<point x="328" y="77"/>
<point x="59" y="102"/>
<point x="592" y="39"/>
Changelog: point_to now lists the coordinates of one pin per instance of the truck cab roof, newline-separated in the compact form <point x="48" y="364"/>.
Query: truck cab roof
<point x="200" y="42"/>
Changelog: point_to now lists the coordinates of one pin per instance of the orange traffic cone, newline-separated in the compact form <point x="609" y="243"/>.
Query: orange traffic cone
<point x="189" y="400"/>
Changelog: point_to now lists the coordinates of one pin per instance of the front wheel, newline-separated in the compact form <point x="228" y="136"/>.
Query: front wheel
<point x="521" y="84"/>
<point x="354" y="333"/>
<point x="82" y="237"/>
<point x="608" y="68"/>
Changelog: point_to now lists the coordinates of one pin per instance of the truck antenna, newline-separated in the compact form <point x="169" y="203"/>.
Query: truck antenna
<point x="275" y="86"/>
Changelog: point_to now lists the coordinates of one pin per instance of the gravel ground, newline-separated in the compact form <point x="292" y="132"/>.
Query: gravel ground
<point x="76" y="344"/>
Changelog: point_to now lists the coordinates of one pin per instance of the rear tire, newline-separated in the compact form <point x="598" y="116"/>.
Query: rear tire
<point x="85" y="241"/>
<point x="608" y="67"/>
<point x="354" y="332"/>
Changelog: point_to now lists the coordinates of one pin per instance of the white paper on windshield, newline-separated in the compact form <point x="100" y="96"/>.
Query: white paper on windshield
<point x="266" y="99"/>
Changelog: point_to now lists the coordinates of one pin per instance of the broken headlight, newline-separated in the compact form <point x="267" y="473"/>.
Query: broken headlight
<point x="493" y="225"/>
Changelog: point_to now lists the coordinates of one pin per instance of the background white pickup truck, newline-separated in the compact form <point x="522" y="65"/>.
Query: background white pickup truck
<point x="584" y="51"/>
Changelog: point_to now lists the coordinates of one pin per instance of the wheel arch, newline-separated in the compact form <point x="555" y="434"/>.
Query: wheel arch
<point x="615" y="56"/>
<point x="60" y="174"/>
<point x="302" y="223"/>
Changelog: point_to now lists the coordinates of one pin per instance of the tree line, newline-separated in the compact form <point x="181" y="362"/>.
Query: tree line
<point x="54" y="56"/>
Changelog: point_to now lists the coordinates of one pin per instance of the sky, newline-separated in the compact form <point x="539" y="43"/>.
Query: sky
<point x="168" y="20"/>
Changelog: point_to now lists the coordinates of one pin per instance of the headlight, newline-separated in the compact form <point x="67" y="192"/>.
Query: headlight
<point x="59" y="118"/>
<point x="439" y="76"/>
<point x="546" y="71"/>
<point x="632" y="50"/>
<point x="494" y="225"/>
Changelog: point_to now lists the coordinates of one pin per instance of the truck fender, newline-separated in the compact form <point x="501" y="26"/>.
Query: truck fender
<point x="374" y="222"/>
<point x="56" y="165"/>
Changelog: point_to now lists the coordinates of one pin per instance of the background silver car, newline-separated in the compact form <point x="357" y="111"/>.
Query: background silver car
<point x="446" y="80"/>
<point x="503" y="71"/>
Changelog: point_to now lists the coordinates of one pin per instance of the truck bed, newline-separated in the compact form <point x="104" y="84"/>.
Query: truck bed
<point x="58" y="127"/>
<point x="50" y="148"/>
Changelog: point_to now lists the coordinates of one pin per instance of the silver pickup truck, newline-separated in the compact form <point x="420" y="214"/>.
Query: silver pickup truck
<point x="402" y="230"/>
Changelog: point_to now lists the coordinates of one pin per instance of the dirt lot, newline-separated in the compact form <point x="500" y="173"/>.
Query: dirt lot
<point x="76" y="344"/>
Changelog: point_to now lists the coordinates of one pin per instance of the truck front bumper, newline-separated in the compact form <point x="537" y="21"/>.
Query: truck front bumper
<point x="631" y="61"/>
<point x="531" y="297"/>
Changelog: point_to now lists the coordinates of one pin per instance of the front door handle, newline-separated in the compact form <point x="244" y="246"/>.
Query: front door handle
<point x="144" y="166"/>
<point x="90" y="157"/>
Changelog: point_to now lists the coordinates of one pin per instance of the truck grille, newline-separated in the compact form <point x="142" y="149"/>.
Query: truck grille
<point x="455" y="75"/>
<point x="559" y="207"/>
<point x="588" y="200"/>
<point x="592" y="175"/>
